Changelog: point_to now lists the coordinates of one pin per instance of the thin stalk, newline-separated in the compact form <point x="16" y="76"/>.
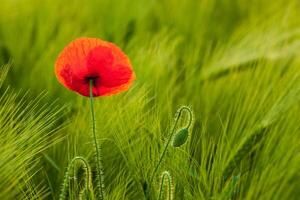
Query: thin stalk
<point x="165" y="175"/>
<point x="170" y="138"/>
<point x="100" y="181"/>
<point x="88" y="177"/>
<point x="165" y="148"/>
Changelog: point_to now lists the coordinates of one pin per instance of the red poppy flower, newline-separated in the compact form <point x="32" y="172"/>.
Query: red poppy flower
<point x="87" y="59"/>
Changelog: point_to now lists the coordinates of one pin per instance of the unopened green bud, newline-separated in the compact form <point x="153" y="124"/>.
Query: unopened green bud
<point x="180" y="138"/>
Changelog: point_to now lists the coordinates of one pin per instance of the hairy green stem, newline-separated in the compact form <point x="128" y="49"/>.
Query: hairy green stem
<point x="100" y="181"/>
<point x="88" y="181"/>
<point x="171" y="136"/>
<point x="166" y="175"/>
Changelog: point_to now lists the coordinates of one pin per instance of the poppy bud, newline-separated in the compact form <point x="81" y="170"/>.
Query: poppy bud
<point x="180" y="138"/>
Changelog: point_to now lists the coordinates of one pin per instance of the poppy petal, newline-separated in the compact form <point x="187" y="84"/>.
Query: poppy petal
<point x="93" y="59"/>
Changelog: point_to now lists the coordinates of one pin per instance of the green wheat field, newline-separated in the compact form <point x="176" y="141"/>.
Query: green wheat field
<point x="234" y="63"/>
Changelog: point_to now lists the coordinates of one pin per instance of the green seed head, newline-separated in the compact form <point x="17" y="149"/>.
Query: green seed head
<point x="180" y="137"/>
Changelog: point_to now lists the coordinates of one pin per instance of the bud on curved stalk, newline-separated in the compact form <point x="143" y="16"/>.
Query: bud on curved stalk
<point x="179" y="139"/>
<point x="181" y="136"/>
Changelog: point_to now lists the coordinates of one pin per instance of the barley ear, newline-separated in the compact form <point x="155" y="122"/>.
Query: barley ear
<point x="243" y="151"/>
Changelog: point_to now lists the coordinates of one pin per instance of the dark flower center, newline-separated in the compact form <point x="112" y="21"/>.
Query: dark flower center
<point x="94" y="79"/>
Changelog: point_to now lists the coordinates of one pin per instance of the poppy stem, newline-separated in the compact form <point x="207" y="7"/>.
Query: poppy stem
<point x="100" y="173"/>
<point x="66" y="182"/>
<point x="165" y="148"/>
<point x="166" y="176"/>
<point x="179" y="112"/>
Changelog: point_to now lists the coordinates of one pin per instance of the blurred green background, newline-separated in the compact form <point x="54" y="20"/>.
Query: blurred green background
<point x="235" y="62"/>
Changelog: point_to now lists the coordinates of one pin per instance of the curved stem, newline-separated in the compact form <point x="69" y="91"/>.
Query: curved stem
<point x="171" y="136"/>
<point x="167" y="175"/>
<point x="88" y="171"/>
<point x="161" y="187"/>
<point x="67" y="176"/>
<point x="100" y="185"/>
<point x="190" y="115"/>
<point x="165" y="148"/>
